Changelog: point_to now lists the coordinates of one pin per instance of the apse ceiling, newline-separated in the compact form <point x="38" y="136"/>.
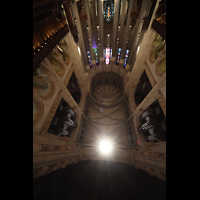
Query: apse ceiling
<point x="107" y="110"/>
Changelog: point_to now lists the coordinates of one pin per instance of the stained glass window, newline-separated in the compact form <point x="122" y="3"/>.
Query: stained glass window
<point x="119" y="55"/>
<point x="126" y="57"/>
<point x="96" y="55"/>
<point x="89" y="58"/>
<point x="108" y="10"/>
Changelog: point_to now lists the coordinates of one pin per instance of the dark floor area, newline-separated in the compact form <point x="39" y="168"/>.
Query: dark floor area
<point x="95" y="180"/>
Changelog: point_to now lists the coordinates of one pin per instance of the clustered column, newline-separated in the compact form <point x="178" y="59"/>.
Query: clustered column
<point x="101" y="26"/>
<point x="81" y="40"/>
<point x="136" y="32"/>
<point x="115" y="25"/>
<point x="89" y="26"/>
<point x="127" y="28"/>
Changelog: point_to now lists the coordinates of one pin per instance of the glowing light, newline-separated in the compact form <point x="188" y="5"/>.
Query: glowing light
<point x="108" y="12"/>
<point x="79" y="50"/>
<point x="107" y="56"/>
<point x="138" y="50"/>
<point x="126" y="56"/>
<point x="105" y="147"/>
<point x="89" y="58"/>
<point x="59" y="48"/>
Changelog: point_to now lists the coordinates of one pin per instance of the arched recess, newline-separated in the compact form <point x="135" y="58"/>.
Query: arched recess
<point x="43" y="83"/>
<point x="160" y="67"/>
<point x="142" y="89"/>
<point x="157" y="45"/>
<point x="64" y="50"/>
<point x="107" y="89"/>
<point x="74" y="88"/>
<point x="59" y="67"/>
<point x="38" y="107"/>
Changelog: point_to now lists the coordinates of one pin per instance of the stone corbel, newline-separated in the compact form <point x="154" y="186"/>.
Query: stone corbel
<point x="127" y="68"/>
<point x="101" y="61"/>
<point x="121" y="63"/>
<point x="87" y="68"/>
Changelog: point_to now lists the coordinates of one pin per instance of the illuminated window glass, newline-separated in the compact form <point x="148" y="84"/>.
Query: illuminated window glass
<point x="126" y="57"/>
<point x="108" y="10"/>
<point x="89" y="58"/>
<point x="107" y="58"/>
<point x="96" y="56"/>
<point x="119" y="55"/>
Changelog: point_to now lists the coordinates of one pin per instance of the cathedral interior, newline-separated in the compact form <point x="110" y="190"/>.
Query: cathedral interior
<point x="99" y="99"/>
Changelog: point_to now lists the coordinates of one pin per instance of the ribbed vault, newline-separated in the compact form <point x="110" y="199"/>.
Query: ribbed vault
<point x="106" y="115"/>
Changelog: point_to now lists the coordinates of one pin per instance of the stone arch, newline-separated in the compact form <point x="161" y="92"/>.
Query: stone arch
<point x="142" y="89"/>
<point x="63" y="47"/>
<point x="160" y="67"/>
<point x="74" y="88"/>
<point x="43" y="83"/>
<point x="38" y="108"/>
<point x="157" y="46"/>
<point x="59" y="67"/>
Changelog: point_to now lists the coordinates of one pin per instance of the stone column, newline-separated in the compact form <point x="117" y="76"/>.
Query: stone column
<point x="115" y="27"/>
<point x="77" y="64"/>
<point x="101" y="26"/>
<point x="90" y="27"/>
<point x="139" y="64"/>
<point x="127" y="28"/>
<point x="80" y="34"/>
<point x="68" y="15"/>
<point x="153" y="94"/>
<point x="101" y="61"/>
<point x="136" y="32"/>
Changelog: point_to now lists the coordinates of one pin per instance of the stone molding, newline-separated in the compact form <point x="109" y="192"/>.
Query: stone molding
<point x="39" y="107"/>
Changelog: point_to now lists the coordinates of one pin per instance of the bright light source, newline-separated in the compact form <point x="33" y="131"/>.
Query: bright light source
<point x="105" y="147"/>
<point x="138" y="50"/>
<point x="79" y="50"/>
<point x="59" y="48"/>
